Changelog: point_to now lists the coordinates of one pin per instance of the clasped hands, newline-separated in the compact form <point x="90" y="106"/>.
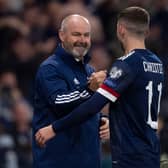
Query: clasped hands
<point x="96" y="79"/>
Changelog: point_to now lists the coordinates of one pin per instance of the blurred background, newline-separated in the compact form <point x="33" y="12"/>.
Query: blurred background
<point x="28" y="35"/>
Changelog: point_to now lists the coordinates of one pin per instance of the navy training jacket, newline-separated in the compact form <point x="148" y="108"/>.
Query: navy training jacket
<point x="61" y="85"/>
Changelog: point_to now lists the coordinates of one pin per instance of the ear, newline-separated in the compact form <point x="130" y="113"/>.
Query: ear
<point x="122" y="29"/>
<point x="61" y="35"/>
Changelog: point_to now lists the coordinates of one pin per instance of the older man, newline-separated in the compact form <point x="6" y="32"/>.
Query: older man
<point x="61" y="85"/>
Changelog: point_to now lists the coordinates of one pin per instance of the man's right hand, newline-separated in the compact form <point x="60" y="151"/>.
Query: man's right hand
<point x="96" y="79"/>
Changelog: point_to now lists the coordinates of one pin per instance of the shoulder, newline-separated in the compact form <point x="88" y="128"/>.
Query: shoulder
<point x="51" y="65"/>
<point x="132" y="59"/>
<point x="128" y="56"/>
<point x="53" y="61"/>
<point x="124" y="62"/>
<point x="124" y="65"/>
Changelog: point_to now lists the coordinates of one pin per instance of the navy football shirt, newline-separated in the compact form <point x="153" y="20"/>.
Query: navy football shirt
<point x="135" y="84"/>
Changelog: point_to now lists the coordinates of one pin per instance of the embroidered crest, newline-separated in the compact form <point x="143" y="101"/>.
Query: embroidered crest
<point x="115" y="73"/>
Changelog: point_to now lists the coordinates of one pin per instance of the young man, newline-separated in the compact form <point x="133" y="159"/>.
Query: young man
<point x="135" y="85"/>
<point x="61" y="85"/>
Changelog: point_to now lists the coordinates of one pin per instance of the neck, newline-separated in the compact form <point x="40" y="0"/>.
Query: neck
<point x="132" y="44"/>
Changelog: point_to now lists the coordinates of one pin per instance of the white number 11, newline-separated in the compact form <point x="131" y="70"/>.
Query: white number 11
<point x="149" y="87"/>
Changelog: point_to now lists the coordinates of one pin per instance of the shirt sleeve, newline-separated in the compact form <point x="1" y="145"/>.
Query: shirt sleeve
<point x="119" y="79"/>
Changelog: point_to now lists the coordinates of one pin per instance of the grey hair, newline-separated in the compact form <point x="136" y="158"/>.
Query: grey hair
<point x="66" y="20"/>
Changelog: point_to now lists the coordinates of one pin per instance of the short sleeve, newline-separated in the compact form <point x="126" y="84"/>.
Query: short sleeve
<point x="120" y="77"/>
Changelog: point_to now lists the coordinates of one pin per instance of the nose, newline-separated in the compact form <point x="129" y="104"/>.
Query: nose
<point x="82" y="38"/>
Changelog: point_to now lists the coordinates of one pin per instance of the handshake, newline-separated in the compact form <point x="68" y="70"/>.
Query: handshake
<point x="96" y="79"/>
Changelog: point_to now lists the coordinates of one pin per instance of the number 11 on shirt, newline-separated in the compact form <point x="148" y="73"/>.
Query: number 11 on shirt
<point x="149" y="88"/>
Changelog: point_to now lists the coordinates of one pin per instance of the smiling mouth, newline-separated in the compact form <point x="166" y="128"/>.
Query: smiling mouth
<point x="82" y="47"/>
<point x="79" y="46"/>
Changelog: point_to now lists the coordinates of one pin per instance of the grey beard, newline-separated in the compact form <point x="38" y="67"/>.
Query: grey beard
<point x="77" y="56"/>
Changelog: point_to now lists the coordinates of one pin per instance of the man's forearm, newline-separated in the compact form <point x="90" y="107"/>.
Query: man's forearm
<point x="81" y="113"/>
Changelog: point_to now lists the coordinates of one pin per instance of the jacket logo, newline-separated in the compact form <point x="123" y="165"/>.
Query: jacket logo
<point x="76" y="82"/>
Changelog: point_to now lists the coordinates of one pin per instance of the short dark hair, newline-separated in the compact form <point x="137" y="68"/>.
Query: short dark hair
<point x="136" y="19"/>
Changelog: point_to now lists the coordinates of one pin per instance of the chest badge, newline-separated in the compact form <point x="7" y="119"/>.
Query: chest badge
<point x="76" y="82"/>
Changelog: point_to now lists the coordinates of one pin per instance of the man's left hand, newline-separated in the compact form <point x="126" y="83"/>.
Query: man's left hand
<point x="104" y="131"/>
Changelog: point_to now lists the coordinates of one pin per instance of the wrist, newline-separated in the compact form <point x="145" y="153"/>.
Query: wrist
<point x="53" y="128"/>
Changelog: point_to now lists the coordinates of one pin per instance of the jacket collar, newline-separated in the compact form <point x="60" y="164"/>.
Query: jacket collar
<point x="61" y="52"/>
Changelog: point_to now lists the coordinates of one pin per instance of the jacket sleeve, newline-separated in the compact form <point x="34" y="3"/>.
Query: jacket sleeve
<point x="54" y="88"/>
<point x="81" y="113"/>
